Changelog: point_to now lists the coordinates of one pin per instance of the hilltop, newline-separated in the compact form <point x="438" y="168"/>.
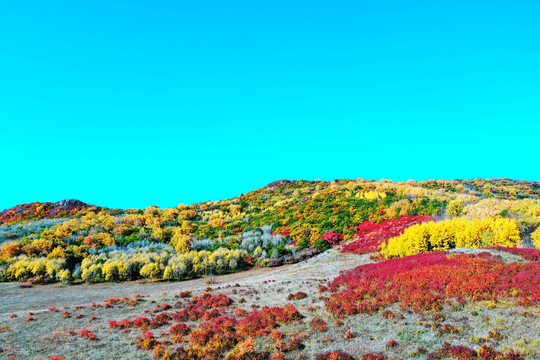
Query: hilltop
<point x="48" y="210"/>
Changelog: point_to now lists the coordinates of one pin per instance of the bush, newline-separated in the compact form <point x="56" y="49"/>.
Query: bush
<point x="334" y="355"/>
<point x="322" y="245"/>
<point x="303" y="243"/>
<point x="450" y="234"/>
<point x="535" y="237"/>
<point x="455" y="208"/>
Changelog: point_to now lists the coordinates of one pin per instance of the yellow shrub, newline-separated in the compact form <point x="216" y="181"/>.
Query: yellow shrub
<point x="43" y="245"/>
<point x="181" y="242"/>
<point x="455" y="233"/>
<point x="104" y="239"/>
<point x="372" y="195"/>
<point x="535" y="236"/>
<point x="57" y="253"/>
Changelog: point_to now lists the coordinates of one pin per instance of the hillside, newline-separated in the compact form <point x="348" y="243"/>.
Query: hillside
<point x="39" y="211"/>
<point x="348" y="269"/>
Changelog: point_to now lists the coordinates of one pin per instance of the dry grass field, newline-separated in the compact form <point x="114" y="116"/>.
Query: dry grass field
<point x="31" y="327"/>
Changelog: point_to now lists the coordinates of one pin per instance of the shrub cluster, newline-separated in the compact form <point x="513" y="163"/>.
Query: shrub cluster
<point x="423" y="282"/>
<point x="370" y="236"/>
<point x="450" y="234"/>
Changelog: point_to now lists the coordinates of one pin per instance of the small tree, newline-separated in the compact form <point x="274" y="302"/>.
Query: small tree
<point x="455" y="208"/>
<point x="322" y="245"/>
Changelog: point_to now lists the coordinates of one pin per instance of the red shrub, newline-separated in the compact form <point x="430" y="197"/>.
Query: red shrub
<point x="240" y="312"/>
<point x="294" y="344"/>
<point x="422" y="282"/>
<point x="180" y="329"/>
<point x="160" y="320"/>
<point x="184" y="294"/>
<point x="261" y="322"/>
<point x="527" y="254"/>
<point x="298" y="296"/>
<point x="373" y="357"/>
<point x="371" y="236"/>
<point x="334" y="355"/>
<point x="88" y="334"/>
<point x="318" y="324"/>
<point x="391" y="343"/>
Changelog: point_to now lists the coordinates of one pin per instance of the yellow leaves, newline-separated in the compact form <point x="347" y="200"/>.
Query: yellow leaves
<point x="535" y="237"/>
<point x="216" y="222"/>
<point x="152" y="270"/>
<point x="57" y="253"/>
<point x="372" y="195"/>
<point x="115" y="270"/>
<point x="455" y="233"/>
<point x="188" y="214"/>
<point x="455" y="208"/>
<point x="10" y="249"/>
<point x="104" y="239"/>
<point x="43" y="245"/>
<point x="182" y="243"/>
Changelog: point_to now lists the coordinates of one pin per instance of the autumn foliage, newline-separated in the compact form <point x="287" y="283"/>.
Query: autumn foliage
<point x="423" y="282"/>
<point x="370" y="236"/>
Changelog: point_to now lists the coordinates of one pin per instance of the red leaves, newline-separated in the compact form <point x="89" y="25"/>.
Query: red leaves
<point x="259" y="323"/>
<point x="180" y="329"/>
<point x="464" y="353"/>
<point x="147" y="341"/>
<point x="527" y="254"/>
<point x="184" y="294"/>
<point x="333" y="239"/>
<point x="371" y="236"/>
<point x="209" y="301"/>
<point x="334" y="355"/>
<point x="423" y="282"/>
<point x="391" y="343"/>
<point x="119" y="301"/>
<point x="88" y="334"/>
<point x="318" y="324"/>
<point x="298" y="296"/>
<point x="218" y="333"/>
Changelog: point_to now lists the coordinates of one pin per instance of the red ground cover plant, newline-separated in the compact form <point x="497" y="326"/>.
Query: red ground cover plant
<point x="298" y="296"/>
<point x="88" y="334"/>
<point x="372" y="356"/>
<point x="334" y="355"/>
<point x="371" y="236"/>
<point x="527" y="254"/>
<point x="464" y="353"/>
<point x="422" y="283"/>
<point x="119" y="301"/>
<point x="184" y="294"/>
<point x="219" y="333"/>
<point x="318" y="324"/>
<point x="333" y="239"/>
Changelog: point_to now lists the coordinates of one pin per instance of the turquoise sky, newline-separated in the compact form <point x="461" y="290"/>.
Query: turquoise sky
<point x="133" y="103"/>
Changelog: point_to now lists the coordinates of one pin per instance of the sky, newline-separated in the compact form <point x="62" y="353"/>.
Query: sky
<point x="129" y="104"/>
